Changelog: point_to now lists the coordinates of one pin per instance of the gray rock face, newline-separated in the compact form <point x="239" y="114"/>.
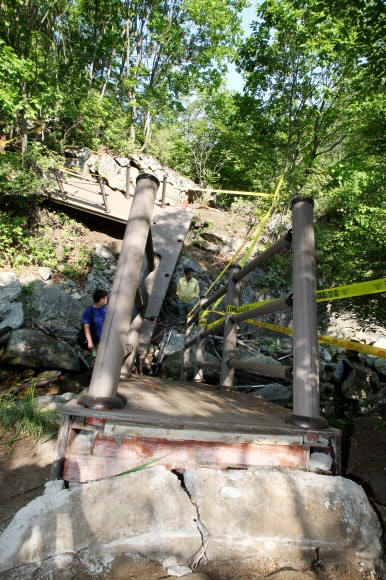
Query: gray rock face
<point x="380" y="365"/>
<point x="32" y="348"/>
<point x="11" y="315"/>
<point x="113" y="172"/>
<point x="10" y="288"/>
<point x="53" y="305"/>
<point x="229" y="243"/>
<point x="171" y="366"/>
<point x="146" y="513"/>
<point x="276" y="393"/>
<point x="282" y="513"/>
<point x="254" y="514"/>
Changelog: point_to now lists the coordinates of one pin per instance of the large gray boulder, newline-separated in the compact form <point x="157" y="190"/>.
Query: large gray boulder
<point x="10" y="288"/>
<point x="276" y="393"/>
<point x="11" y="318"/>
<point x="112" y="171"/>
<point x="51" y="304"/>
<point x="243" y="353"/>
<point x="277" y="513"/>
<point x="33" y="348"/>
<point x="146" y="513"/>
<point x="380" y="365"/>
<point x="171" y="366"/>
<point x="250" y="515"/>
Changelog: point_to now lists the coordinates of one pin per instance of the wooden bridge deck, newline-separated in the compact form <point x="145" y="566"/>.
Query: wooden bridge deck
<point x="184" y="425"/>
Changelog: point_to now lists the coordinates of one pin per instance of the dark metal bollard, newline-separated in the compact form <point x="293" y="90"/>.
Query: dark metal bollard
<point x="230" y="330"/>
<point x="105" y="377"/>
<point x="305" y="331"/>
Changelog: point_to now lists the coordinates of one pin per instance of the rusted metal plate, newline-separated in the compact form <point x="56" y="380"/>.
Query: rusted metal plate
<point x="110" y="456"/>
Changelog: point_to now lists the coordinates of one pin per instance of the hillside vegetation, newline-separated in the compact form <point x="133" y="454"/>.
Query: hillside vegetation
<point x="150" y="76"/>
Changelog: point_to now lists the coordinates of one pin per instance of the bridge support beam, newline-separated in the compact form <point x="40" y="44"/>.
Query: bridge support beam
<point x="102" y="392"/>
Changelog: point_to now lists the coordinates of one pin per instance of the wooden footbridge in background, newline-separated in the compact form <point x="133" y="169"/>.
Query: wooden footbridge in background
<point x="123" y="421"/>
<point x="169" y="226"/>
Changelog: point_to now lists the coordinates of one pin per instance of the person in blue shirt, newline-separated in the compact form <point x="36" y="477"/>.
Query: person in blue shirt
<point x="94" y="317"/>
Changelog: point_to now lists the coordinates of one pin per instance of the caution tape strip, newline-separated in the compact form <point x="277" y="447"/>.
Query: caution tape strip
<point x="359" y="289"/>
<point x="262" y="223"/>
<point x="337" y="342"/>
<point x="2" y="143"/>
<point x="233" y="192"/>
<point x="257" y="228"/>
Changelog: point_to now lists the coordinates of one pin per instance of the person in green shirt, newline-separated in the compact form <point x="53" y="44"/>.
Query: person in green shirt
<point x="188" y="292"/>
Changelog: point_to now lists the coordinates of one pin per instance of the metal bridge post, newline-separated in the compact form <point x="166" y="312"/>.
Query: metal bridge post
<point x="104" y="381"/>
<point x="230" y="330"/>
<point x="186" y="353"/>
<point x="136" y="324"/>
<point x="60" y="184"/>
<point x="198" y="375"/>
<point x="305" y="331"/>
<point x="104" y="195"/>
<point x="164" y="184"/>
<point x="127" y="191"/>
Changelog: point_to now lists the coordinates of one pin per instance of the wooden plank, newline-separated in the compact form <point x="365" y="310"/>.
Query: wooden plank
<point x="159" y="403"/>
<point x="123" y="431"/>
<point x="111" y="457"/>
<point x="60" y="450"/>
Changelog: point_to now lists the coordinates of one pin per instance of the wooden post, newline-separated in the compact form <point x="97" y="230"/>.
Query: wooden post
<point x="60" y="184"/>
<point x="104" y="195"/>
<point x="230" y="330"/>
<point x="198" y="375"/>
<point x="60" y="450"/>
<point x="186" y="353"/>
<point x="127" y="192"/>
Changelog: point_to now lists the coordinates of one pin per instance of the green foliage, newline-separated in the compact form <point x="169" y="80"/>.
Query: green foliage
<point x="25" y="417"/>
<point x="278" y="274"/>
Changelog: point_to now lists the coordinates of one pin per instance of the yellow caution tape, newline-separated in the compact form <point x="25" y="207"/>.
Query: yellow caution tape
<point x="360" y="289"/>
<point x="231" y="309"/>
<point x="252" y="234"/>
<point x="232" y="192"/>
<point x="262" y="223"/>
<point x="2" y="143"/>
<point x="214" y="323"/>
<point x="202" y="320"/>
<point x="337" y="342"/>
